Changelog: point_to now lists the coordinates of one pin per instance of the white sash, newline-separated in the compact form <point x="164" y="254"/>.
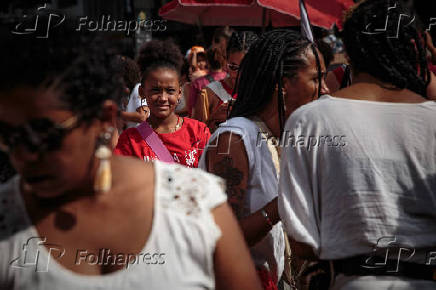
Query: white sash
<point x="220" y="91"/>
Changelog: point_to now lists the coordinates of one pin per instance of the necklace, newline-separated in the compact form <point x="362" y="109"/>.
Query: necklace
<point x="172" y="130"/>
<point x="177" y="124"/>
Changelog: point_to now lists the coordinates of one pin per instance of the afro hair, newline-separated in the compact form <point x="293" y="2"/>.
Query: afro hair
<point x="159" y="53"/>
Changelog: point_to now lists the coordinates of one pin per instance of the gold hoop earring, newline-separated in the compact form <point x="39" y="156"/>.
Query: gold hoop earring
<point x="103" y="176"/>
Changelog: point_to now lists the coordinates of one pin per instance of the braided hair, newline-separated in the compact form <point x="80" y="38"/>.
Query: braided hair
<point x="396" y="56"/>
<point x="277" y="54"/>
<point x="241" y="41"/>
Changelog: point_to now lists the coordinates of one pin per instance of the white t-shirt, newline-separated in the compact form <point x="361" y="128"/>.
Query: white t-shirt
<point x="354" y="172"/>
<point x="262" y="187"/>
<point x="180" y="247"/>
<point x="135" y="102"/>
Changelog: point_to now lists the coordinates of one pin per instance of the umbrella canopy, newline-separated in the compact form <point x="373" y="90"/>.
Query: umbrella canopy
<point x="278" y="13"/>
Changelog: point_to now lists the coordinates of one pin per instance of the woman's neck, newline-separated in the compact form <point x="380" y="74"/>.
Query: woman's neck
<point x="367" y="87"/>
<point x="229" y="83"/>
<point x="271" y="120"/>
<point x="166" y="125"/>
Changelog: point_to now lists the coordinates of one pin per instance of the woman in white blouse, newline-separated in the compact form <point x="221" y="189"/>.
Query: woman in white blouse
<point x="75" y="217"/>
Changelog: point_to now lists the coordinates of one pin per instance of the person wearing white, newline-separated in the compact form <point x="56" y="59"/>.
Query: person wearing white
<point x="78" y="217"/>
<point x="135" y="103"/>
<point x="262" y="188"/>
<point x="182" y="225"/>
<point x="361" y="174"/>
<point x="358" y="187"/>
<point x="243" y="150"/>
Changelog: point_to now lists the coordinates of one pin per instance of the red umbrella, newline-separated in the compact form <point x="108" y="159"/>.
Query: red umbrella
<point x="323" y="13"/>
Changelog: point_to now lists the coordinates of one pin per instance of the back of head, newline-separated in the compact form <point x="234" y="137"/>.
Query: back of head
<point x="77" y="63"/>
<point x="216" y="58"/>
<point x="394" y="55"/>
<point x="157" y="54"/>
<point x="240" y="41"/>
<point x="222" y="33"/>
<point x="129" y="70"/>
<point x="276" y="54"/>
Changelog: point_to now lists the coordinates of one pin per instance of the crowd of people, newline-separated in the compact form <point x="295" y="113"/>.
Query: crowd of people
<point x="254" y="163"/>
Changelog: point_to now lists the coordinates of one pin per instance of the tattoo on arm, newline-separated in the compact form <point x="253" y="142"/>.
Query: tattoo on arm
<point x="233" y="176"/>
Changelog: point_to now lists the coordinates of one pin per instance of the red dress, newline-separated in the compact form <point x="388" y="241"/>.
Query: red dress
<point x="185" y="145"/>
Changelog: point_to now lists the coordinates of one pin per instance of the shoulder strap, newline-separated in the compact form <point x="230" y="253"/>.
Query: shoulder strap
<point x="155" y="143"/>
<point x="220" y="91"/>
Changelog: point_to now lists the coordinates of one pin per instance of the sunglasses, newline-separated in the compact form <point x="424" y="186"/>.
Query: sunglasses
<point x="38" y="135"/>
<point x="233" y="67"/>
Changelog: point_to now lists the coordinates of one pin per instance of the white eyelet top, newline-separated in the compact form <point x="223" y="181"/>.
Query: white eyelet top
<point x="177" y="255"/>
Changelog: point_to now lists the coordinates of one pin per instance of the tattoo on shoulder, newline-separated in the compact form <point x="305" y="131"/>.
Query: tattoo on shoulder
<point x="233" y="176"/>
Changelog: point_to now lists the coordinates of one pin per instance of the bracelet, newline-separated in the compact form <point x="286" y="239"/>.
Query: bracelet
<point x="265" y="215"/>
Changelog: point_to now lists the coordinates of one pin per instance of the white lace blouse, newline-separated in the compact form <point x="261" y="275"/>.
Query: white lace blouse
<point x="178" y="253"/>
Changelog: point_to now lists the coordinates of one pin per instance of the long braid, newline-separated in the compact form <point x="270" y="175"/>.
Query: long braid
<point x="394" y="57"/>
<point x="318" y="67"/>
<point x="281" y="101"/>
<point x="277" y="54"/>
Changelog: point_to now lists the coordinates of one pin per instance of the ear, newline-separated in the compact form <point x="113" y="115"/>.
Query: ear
<point x="179" y="94"/>
<point x="109" y="114"/>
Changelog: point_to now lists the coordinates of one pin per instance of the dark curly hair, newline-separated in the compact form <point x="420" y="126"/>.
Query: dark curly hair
<point x="128" y="69"/>
<point x="241" y="41"/>
<point x="79" y="65"/>
<point x="396" y="56"/>
<point x="276" y="54"/>
<point x="159" y="53"/>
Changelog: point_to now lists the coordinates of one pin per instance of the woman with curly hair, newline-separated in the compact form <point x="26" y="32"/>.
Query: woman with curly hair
<point x="165" y="135"/>
<point x="77" y="217"/>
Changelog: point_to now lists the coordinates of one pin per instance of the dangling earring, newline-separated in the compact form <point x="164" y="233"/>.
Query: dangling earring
<point x="284" y="98"/>
<point x="103" y="176"/>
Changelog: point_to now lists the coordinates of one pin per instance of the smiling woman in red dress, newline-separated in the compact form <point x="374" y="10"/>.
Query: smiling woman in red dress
<point x="183" y="138"/>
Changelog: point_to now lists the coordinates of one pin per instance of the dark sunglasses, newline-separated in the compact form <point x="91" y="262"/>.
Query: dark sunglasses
<point x="38" y="135"/>
<point x="233" y="67"/>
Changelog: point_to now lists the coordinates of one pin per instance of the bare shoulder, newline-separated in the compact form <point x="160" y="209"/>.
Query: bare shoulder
<point x="131" y="172"/>
<point x="225" y="142"/>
